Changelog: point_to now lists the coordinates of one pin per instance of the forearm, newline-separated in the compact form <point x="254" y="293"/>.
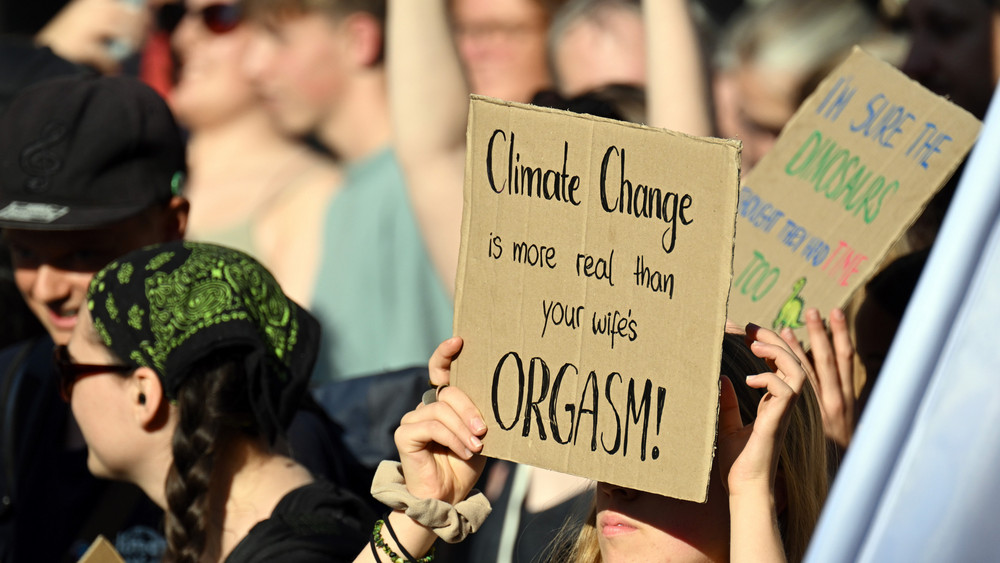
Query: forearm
<point x="429" y="102"/>
<point x="754" y="532"/>
<point x="428" y="94"/>
<point x="676" y="82"/>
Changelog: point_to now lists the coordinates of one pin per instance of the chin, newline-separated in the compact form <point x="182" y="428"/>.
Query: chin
<point x="620" y="554"/>
<point x="60" y="334"/>
<point x="98" y="469"/>
<point x="282" y="119"/>
<point x="60" y="337"/>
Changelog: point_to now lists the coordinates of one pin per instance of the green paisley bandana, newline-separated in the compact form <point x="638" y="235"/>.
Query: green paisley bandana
<point x="169" y="306"/>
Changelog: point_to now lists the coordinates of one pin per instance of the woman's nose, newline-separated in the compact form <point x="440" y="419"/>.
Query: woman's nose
<point x="616" y="490"/>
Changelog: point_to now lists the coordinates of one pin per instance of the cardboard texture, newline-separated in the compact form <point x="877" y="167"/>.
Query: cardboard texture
<point x="593" y="332"/>
<point x="848" y="175"/>
<point x="101" y="551"/>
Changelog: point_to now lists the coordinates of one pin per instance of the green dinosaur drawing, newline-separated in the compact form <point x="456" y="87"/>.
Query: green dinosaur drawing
<point x="790" y="314"/>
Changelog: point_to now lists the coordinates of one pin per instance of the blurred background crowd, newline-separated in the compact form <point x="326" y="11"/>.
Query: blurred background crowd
<point x="327" y="139"/>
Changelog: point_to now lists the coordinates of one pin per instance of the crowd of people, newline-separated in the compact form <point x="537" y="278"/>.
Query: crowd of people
<point x="230" y="237"/>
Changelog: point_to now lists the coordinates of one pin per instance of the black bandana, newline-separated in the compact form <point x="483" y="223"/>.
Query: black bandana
<point x="169" y="306"/>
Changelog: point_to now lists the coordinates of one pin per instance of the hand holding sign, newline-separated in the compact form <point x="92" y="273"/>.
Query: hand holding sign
<point x="437" y="442"/>
<point x="748" y="455"/>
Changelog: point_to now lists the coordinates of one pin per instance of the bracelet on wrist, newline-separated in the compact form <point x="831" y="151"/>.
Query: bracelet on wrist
<point x="378" y="541"/>
<point x="399" y="544"/>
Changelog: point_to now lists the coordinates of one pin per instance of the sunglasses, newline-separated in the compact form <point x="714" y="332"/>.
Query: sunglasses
<point x="217" y="18"/>
<point x="71" y="372"/>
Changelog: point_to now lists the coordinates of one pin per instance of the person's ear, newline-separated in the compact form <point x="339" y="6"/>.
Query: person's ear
<point x="177" y="218"/>
<point x="366" y="35"/>
<point x="148" y="400"/>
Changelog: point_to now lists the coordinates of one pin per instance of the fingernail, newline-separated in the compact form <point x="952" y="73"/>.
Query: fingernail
<point x="837" y="314"/>
<point x="787" y="332"/>
<point x="750" y="378"/>
<point x="812" y="314"/>
<point x="468" y="453"/>
<point x="476" y="443"/>
<point x="478" y="425"/>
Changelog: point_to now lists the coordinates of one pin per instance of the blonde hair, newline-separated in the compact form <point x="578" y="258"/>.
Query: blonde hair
<point x="796" y="36"/>
<point x="802" y="467"/>
<point x="586" y="548"/>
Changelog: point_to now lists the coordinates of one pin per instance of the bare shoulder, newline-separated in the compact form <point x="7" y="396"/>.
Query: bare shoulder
<point x="303" y="201"/>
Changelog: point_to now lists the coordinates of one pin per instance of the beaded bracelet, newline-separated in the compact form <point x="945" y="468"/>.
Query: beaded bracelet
<point x="393" y="556"/>
<point x="392" y="534"/>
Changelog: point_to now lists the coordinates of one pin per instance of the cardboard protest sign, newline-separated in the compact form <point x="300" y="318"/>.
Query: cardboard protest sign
<point x="593" y="277"/>
<point x="101" y="551"/>
<point x="849" y="174"/>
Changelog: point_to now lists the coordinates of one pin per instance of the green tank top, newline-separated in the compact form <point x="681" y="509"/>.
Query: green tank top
<point x="379" y="298"/>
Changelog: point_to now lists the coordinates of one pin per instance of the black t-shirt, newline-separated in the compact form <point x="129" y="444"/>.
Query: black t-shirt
<point x="318" y="522"/>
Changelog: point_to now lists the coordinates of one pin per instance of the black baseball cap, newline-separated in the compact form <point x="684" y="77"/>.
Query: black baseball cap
<point x="84" y="152"/>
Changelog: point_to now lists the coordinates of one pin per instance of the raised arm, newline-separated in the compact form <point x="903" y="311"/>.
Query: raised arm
<point x="429" y="101"/>
<point x="438" y="445"/>
<point x="748" y="455"/>
<point x="676" y="82"/>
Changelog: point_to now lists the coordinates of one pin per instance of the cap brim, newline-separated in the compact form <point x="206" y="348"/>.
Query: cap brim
<point x="37" y="216"/>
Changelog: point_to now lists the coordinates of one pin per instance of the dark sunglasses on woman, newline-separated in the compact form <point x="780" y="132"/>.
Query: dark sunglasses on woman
<point x="70" y="372"/>
<point x="217" y="18"/>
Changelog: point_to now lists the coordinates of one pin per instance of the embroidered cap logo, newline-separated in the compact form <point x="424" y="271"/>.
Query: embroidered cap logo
<point x="39" y="161"/>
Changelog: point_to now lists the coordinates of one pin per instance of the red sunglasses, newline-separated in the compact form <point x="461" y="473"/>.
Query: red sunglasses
<point x="70" y="372"/>
<point x="217" y="18"/>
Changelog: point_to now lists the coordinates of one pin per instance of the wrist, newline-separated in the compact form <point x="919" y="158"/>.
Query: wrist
<point x="407" y="536"/>
<point x="752" y="502"/>
<point x="750" y="485"/>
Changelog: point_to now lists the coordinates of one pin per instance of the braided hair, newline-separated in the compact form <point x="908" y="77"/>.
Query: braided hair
<point x="213" y="409"/>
